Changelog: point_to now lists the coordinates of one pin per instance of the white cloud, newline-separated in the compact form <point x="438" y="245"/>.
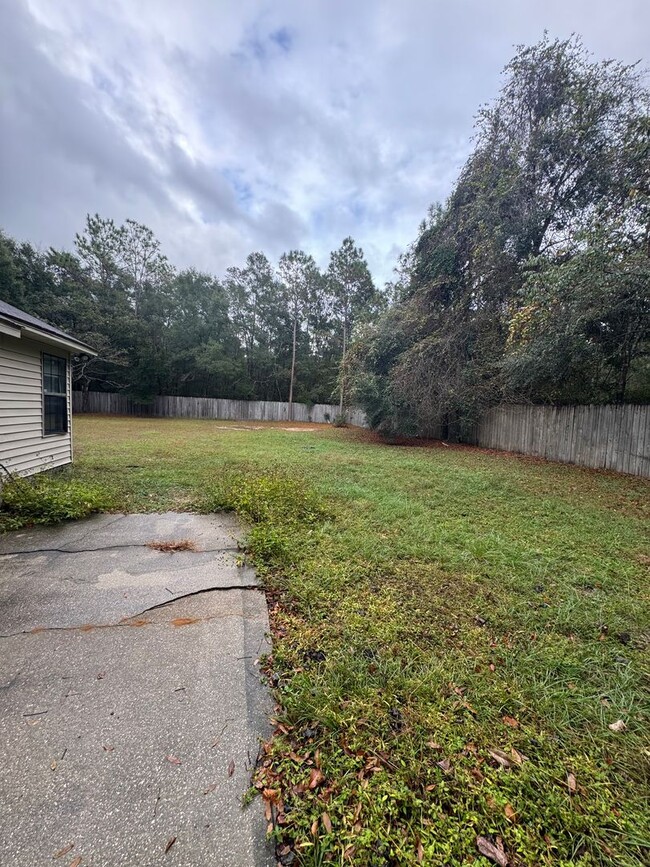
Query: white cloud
<point x="258" y="125"/>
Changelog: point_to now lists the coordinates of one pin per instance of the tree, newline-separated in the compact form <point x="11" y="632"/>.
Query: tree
<point x="130" y="274"/>
<point x="353" y="293"/>
<point x="583" y="331"/>
<point x="299" y="280"/>
<point x="564" y="145"/>
<point x="254" y="309"/>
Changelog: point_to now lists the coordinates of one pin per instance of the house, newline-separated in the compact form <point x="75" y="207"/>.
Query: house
<point x="35" y="392"/>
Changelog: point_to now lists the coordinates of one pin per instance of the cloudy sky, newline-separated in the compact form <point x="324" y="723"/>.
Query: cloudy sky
<point x="259" y="124"/>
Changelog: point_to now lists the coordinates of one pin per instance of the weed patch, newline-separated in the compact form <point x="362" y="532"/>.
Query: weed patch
<point x="46" y="499"/>
<point x="283" y="512"/>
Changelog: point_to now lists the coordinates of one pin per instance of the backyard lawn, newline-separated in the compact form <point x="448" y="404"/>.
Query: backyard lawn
<point x="461" y="638"/>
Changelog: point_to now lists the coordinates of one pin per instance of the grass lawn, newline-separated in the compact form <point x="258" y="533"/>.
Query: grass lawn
<point x="455" y="631"/>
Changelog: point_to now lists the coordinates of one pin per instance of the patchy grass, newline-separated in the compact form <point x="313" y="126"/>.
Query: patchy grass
<point x="454" y="634"/>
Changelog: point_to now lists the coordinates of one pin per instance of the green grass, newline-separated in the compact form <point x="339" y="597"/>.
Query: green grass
<point x="429" y="605"/>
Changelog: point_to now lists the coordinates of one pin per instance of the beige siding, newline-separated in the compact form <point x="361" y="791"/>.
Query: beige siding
<point x="23" y="448"/>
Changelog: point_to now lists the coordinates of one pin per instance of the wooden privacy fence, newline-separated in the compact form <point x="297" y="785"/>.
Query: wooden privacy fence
<point x="210" y="407"/>
<point x="603" y="437"/>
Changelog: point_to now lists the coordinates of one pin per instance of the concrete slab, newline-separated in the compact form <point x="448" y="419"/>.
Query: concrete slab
<point x="210" y="532"/>
<point x="101" y="571"/>
<point x="121" y="732"/>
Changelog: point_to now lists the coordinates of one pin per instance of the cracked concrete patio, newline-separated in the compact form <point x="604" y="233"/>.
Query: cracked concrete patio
<point x="131" y="706"/>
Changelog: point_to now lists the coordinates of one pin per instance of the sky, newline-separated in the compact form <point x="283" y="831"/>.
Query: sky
<point x="229" y="127"/>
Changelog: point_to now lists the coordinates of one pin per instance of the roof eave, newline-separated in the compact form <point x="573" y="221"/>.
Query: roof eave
<point x="68" y="343"/>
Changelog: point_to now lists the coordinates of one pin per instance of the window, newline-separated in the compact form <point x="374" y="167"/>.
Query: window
<point x="55" y="395"/>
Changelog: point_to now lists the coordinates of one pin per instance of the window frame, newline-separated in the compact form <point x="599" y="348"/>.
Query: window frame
<point x="64" y="394"/>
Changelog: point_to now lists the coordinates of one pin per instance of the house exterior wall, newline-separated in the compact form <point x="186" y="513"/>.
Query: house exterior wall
<point x="23" y="448"/>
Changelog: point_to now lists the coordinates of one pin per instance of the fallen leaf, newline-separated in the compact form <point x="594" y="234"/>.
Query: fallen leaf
<point x="231" y="768"/>
<point x="420" y="852"/>
<point x="501" y="758"/>
<point x="53" y="765"/>
<point x="511" y="721"/>
<point x="108" y="749"/>
<point x="327" y="822"/>
<point x="64" y="851"/>
<point x="76" y="862"/>
<point x="314" y="828"/>
<point x="174" y="760"/>
<point x="510" y="813"/>
<point x="270" y="795"/>
<point x="210" y="789"/>
<point x="571" y="783"/>
<point x="618" y="726"/>
<point x="445" y="764"/>
<point x="349" y="852"/>
<point x="519" y="758"/>
<point x="433" y="745"/>
<point x="494" y="853"/>
<point x="170" y="843"/>
<point x="315" y="778"/>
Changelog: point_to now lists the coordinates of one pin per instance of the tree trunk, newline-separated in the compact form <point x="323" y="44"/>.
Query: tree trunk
<point x="345" y="336"/>
<point x="293" y="367"/>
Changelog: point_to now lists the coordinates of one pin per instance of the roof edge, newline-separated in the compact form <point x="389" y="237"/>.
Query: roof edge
<point x="54" y="340"/>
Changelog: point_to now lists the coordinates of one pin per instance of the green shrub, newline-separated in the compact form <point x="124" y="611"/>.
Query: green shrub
<point x="278" y="507"/>
<point x="47" y="499"/>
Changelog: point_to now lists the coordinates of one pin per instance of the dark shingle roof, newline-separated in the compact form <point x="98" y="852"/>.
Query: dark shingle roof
<point x="19" y="316"/>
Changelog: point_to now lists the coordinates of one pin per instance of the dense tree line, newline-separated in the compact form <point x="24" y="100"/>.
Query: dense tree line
<point x="533" y="281"/>
<point x="259" y="333"/>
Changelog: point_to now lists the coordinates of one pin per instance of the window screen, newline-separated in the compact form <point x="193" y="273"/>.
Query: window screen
<point x="55" y="396"/>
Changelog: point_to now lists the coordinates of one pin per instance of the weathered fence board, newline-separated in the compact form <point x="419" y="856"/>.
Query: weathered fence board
<point x="604" y="437"/>
<point x="169" y="406"/>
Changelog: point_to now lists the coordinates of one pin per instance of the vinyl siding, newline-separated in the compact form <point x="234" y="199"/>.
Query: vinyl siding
<point x="23" y="448"/>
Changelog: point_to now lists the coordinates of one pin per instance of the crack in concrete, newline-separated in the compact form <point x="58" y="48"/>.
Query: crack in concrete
<point x="135" y="620"/>
<point x="113" y="548"/>
<point x="110" y="523"/>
